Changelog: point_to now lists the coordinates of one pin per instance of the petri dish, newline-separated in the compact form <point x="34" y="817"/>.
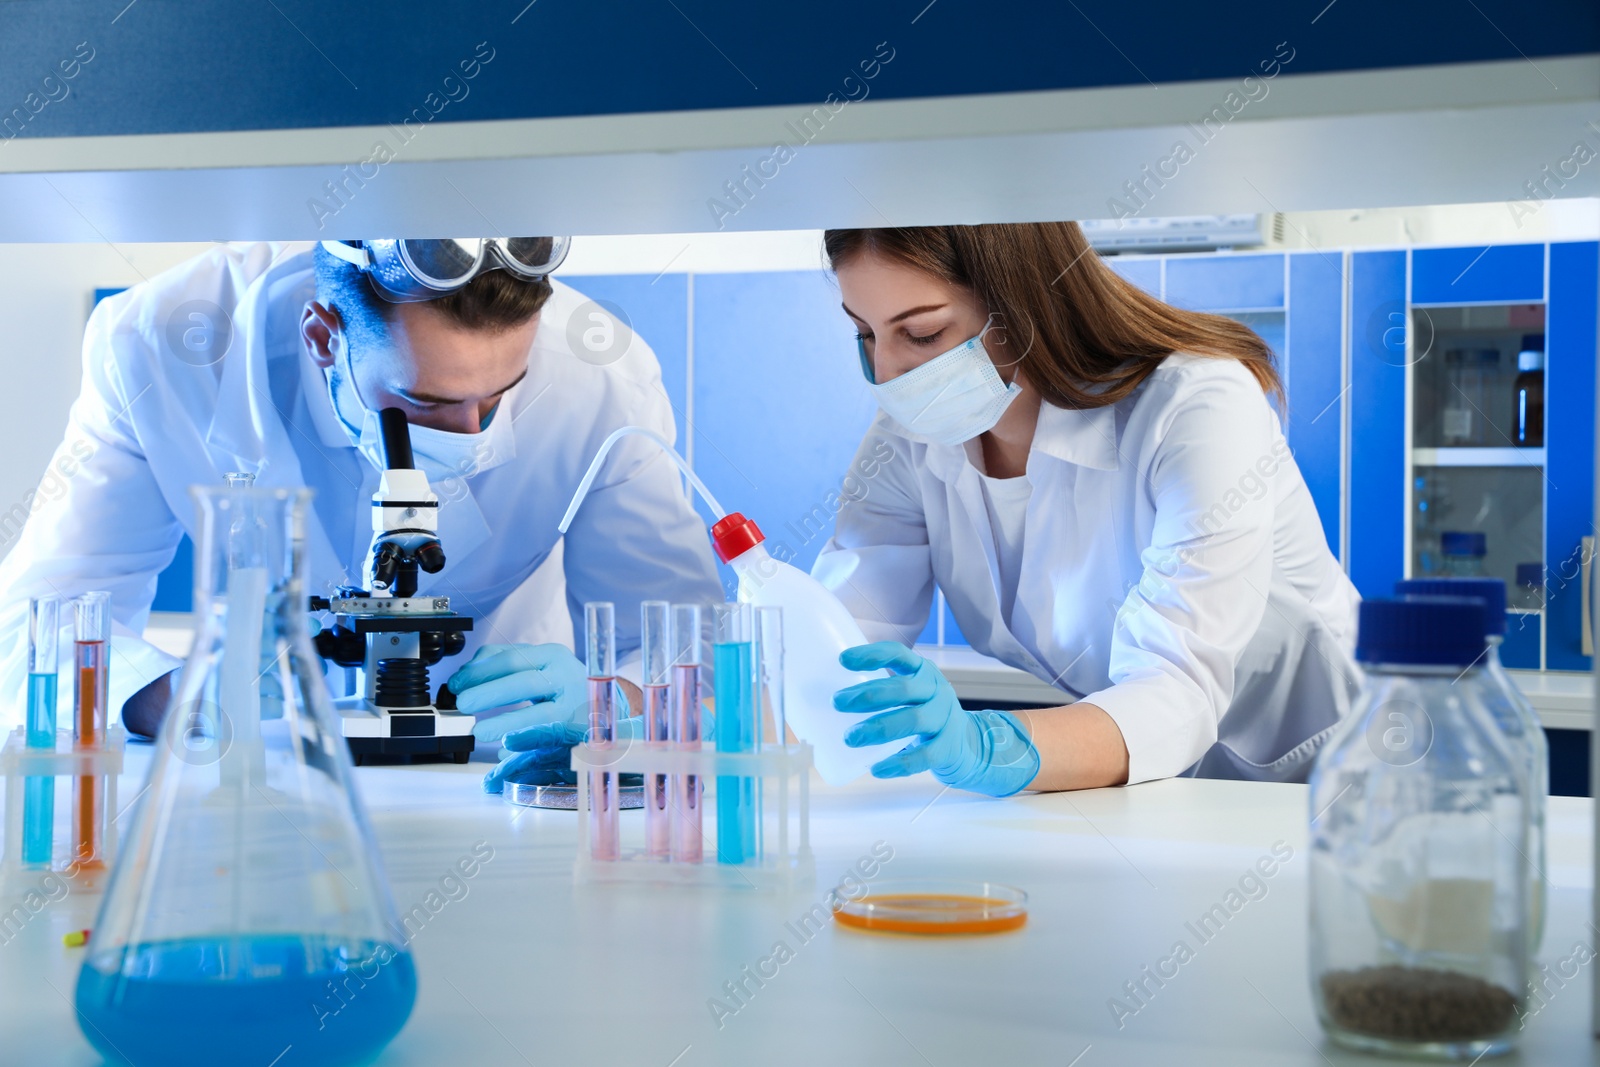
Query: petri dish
<point x="933" y="907"/>
<point x="535" y="795"/>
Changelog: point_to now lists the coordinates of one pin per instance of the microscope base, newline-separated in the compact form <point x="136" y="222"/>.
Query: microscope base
<point x="408" y="734"/>
<point x="365" y="749"/>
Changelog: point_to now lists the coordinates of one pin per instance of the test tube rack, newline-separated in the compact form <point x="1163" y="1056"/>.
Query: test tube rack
<point x="19" y="763"/>
<point x="783" y="772"/>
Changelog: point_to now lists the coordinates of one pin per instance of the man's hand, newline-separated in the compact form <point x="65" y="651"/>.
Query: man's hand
<point x="547" y="676"/>
<point x="142" y="713"/>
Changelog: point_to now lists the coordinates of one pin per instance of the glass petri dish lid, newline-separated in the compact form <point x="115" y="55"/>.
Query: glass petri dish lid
<point x="565" y="797"/>
<point x="932" y="907"/>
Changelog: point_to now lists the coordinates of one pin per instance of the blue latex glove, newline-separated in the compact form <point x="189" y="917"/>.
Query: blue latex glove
<point x="983" y="751"/>
<point x="542" y="755"/>
<point x="549" y="677"/>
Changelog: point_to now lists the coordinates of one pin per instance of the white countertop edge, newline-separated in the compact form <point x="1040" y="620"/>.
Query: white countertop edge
<point x="1563" y="699"/>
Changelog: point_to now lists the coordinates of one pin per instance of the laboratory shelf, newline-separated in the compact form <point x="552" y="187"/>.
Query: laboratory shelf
<point x="1563" y="699"/>
<point x="1477" y="457"/>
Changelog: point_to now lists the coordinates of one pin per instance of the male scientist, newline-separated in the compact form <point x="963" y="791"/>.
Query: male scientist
<point x="274" y="360"/>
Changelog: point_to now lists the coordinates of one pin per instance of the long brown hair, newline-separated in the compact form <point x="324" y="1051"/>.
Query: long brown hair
<point x="1090" y="336"/>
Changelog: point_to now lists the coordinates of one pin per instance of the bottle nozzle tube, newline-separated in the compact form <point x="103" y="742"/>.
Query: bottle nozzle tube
<point x="605" y="449"/>
<point x="396" y="439"/>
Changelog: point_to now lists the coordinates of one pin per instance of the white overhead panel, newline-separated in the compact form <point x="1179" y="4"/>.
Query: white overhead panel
<point x="1458" y="133"/>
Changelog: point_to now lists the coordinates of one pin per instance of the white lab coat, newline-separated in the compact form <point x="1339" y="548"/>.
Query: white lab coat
<point x="1174" y="571"/>
<point x="148" y="424"/>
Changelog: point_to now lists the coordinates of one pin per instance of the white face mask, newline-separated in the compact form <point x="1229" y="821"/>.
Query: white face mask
<point x="438" y="454"/>
<point x="951" y="398"/>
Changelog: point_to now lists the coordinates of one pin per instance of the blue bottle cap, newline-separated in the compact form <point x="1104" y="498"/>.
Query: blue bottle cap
<point x="1423" y="631"/>
<point x="1464" y="543"/>
<point x="1530" y="575"/>
<point x="1492" y="591"/>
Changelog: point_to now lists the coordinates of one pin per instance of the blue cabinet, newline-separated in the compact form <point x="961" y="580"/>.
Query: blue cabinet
<point x="1441" y="480"/>
<point x="1497" y="274"/>
<point x="1225" y="283"/>
<point x="1476" y="482"/>
<point x="1570" y="446"/>
<point x="1143" y="271"/>
<point x="1314" y="373"/>
<point x="1378" y="346"/>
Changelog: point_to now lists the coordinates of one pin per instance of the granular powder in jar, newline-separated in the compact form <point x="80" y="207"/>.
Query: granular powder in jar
<point x="1416" y="1003"/>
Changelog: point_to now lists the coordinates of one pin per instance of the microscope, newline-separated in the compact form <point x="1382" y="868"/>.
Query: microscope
<point x="390" y="632"/>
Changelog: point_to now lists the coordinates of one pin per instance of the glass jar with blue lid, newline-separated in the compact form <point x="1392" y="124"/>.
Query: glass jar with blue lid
<point x="1420" y="916"/>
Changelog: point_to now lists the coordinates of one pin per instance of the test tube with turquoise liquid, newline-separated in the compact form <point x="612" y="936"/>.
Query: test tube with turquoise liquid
<point x="39" y="795"/>
<point x="735" y="658"/>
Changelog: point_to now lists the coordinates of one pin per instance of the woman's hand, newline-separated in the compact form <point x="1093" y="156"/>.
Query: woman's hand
<point x="984" y="751"/>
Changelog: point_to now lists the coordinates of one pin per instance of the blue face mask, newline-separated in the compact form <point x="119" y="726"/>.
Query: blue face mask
<point x="438" y="454"/>
<point x="951" y="398"/>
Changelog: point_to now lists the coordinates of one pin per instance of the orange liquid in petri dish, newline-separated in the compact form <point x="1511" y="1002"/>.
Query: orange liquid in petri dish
<point x="932" y="913"/>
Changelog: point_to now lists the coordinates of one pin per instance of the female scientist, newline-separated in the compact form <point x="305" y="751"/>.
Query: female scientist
<point x="1098" y="483"/>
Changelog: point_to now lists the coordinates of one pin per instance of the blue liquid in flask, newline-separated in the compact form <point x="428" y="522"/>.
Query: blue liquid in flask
<point x="310" y="1001"/>
<point x="735" y="732"/>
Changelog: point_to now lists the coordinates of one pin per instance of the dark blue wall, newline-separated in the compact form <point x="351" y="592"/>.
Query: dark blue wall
<point x="163" y="66"/>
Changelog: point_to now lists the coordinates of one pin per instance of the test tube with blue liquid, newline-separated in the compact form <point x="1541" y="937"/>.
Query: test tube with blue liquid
<point x="656" y="679"/>
<point x="735" y="656"/>
<point x="688" y="830"/>
<point x="600" y="631"/>
<point x="39" y="796"/>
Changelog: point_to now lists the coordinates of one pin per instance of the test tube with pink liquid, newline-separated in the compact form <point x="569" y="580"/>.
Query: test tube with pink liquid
<point x="687" y="833"/>
<point x="600" y="629"/>
<point x="656" y="679"/>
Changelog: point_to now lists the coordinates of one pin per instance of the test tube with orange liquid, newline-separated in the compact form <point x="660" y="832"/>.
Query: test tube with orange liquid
<point x="92" y="648"/>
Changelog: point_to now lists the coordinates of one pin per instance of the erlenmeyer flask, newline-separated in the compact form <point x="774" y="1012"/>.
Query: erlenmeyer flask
<point x="247" y="919"/>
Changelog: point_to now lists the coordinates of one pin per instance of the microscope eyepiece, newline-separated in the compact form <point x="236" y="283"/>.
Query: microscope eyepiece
<point x="396" y="439"/>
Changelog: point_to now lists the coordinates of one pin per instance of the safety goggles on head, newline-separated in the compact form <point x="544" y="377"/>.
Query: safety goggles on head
<point x="405" y="271"/>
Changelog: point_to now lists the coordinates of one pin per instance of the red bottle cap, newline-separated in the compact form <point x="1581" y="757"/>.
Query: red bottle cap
<point x="734" y="536"/>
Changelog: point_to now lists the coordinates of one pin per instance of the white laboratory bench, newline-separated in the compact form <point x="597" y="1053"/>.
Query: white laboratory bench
<point x="527" y="968"/>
